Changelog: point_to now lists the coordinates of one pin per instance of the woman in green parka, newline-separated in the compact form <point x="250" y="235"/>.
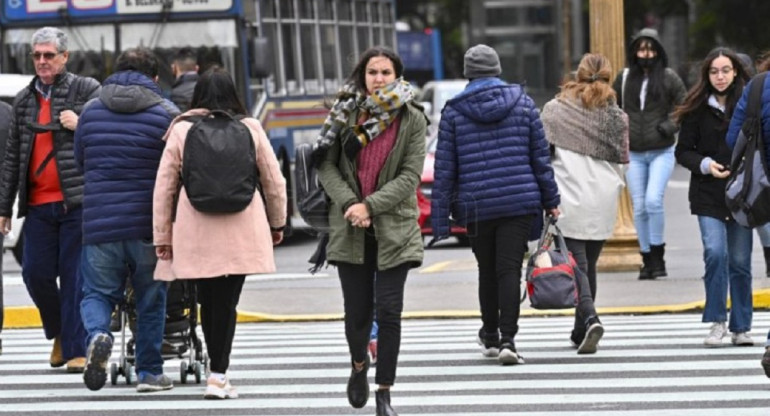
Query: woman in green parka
<point x="371" y="152"/>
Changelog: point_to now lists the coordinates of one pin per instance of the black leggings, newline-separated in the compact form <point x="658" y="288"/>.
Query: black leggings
<point x="359" y="284"/>
<point x="218" y="298"/>
<point x="586" y="254"/>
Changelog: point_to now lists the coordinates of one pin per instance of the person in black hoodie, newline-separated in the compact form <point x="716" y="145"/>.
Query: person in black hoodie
<point x="705" y="116"/>
<point x="648" y="91"/>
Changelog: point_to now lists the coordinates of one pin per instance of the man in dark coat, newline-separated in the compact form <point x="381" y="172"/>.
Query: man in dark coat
<point x="39" y="166"/>
<point x="185" y="68"/>
<point x="118" y="146"/>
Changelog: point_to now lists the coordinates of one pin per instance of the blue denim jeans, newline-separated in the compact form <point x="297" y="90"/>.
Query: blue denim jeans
<point x="105" y="268"/>
<point x="647" y="177"/>
<point x="727" y="254"/>
<point x="52" y="245"/>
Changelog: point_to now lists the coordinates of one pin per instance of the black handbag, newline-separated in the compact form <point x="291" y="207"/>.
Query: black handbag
<point x="552" y="272"/>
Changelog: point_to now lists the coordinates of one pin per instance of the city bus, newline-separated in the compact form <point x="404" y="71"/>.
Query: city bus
<point x="286" y="56"/>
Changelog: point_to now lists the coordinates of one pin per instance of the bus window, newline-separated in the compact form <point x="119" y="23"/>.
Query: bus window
<point x="92" y="50"/>
<point x="310" y="59"/>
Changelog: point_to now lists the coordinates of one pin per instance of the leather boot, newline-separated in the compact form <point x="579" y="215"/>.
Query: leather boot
<point x="382" y="398"/>
<point x="644" y="271"/>
<point x="358" y="386"/>
<point x="767" y="260"/>
<point x="658" y="266"/>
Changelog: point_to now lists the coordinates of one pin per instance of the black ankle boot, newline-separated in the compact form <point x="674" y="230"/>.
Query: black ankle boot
<point x="644" y="271"/>
<point x="358" y="386"/>
<point x="767" y="260"/>
<point x="383" y="403"/>
<point x="658" y="265"/>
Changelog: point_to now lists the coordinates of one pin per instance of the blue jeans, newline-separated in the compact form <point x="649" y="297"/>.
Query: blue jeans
<point x="52" y="244"/>
<point x="105" y="268"/>
<point x="727" y="254"/>
<point x="647" y="177"/>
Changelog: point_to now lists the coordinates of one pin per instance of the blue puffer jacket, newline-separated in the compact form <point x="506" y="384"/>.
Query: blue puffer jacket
<point x="492" y="159"/>
<point x="118" y="145"/>
<point x="739" y="115"/>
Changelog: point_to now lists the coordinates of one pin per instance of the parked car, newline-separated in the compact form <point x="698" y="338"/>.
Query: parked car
<point x="434" y="95"/>
<point x="424" y="193"/>
<point x="10" y="85"/>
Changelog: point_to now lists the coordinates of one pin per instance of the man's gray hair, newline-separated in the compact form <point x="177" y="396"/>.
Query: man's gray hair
<point x="50" y="35"/>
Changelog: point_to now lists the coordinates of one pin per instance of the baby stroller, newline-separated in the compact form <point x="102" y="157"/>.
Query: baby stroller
<point x="180" y="339"/>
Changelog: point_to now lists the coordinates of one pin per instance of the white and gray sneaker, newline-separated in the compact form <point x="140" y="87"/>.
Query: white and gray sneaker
<point x="742" y="339"/>
<point x="716" y="333"/>
<point x="508" y="354"/>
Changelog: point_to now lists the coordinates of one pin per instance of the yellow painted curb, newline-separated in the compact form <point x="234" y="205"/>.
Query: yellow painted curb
<point x="29" y="317"/>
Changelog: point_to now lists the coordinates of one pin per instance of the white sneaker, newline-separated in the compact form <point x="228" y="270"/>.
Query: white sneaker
<point x="716" y="333"/>
<point x="742" y="339"/>
<point x="219" y="390"/>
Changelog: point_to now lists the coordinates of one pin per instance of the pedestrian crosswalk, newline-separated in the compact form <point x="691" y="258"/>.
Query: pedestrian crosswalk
<point x="646" y="365"/>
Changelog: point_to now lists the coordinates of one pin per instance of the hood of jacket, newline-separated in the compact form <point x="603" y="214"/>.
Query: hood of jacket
<point x="130" y="92"/>
<point x="653" y="36"/>
<point x="487" y="100"/>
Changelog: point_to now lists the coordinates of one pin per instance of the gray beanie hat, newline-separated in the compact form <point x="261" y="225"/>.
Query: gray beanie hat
<point x="481" y="61"/>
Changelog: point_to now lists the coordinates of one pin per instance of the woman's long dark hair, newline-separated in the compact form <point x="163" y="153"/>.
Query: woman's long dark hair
<point x="699" y="93"/>
<point x="656" y="74"/>
<point x="215" y="90"/>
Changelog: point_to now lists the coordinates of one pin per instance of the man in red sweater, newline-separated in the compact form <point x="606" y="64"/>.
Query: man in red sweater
<point x="39" y="165"/>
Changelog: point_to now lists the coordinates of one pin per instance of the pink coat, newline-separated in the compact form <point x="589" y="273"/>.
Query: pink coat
<point x="205" y="245"/>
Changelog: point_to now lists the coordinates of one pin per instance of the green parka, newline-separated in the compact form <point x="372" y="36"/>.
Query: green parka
<point x="392" y="206"/>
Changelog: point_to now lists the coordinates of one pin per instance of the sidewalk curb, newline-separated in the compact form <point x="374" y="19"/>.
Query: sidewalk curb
<point x="29" y="317"/>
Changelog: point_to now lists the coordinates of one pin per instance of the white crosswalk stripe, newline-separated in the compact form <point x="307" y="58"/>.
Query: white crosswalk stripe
<point x="646" y="365"/>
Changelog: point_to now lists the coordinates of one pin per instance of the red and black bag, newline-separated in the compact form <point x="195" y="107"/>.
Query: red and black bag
<point x="552" y="272"/>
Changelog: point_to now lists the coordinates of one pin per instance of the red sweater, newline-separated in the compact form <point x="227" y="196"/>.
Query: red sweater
<point x="372" y="158"/>
<point x="43" y="188"/>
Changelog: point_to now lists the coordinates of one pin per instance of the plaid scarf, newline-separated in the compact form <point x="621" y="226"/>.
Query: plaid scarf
<point x="382" y="106"/>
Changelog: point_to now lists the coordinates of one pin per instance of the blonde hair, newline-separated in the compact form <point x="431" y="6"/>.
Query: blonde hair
<point x="591" y="83"/>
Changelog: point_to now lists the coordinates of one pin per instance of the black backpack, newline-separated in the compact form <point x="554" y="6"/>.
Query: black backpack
<point x="219" y="166"/>
<point x="312" y="202"/>
<point x="747" y="193"/>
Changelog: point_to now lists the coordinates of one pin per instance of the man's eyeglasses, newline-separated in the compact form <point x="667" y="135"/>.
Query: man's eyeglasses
<point x="46" y="55"/>
<point x="727" y="70"/>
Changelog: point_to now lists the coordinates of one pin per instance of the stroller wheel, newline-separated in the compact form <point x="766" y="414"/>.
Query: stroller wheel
<point x="129" y="370"/>
<point x="114" y="373"/>
<point x="183" y="372"/>
<point x="198" y="371"/>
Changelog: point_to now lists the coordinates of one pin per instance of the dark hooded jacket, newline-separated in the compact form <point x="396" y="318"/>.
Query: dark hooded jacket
<point x="182" y="90"/>
<point x="6" y="115"/>
<point x="652" y="127"/>
<point x="492" y="159"/>
<point x="118" y="146"/>
<point x="15" y="167"/>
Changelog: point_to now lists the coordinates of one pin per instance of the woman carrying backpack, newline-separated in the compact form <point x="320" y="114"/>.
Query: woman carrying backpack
<point x="217" y="250"/>
<point x="371" y="152"/>
<point x="705" y="116"/>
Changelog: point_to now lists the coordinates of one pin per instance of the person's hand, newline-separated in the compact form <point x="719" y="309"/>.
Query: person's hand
<point x="277" y="237"/>
<point x="718" y="171"/>
<point x="5" y="225"/>
<point x="68" y="119"/>
<point x="164" y="252"/>
<point x="358" y="215"/>
<point x="553" y="212"/>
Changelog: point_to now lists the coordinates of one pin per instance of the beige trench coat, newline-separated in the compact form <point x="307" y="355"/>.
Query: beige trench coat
<point x="206" y="245"/>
